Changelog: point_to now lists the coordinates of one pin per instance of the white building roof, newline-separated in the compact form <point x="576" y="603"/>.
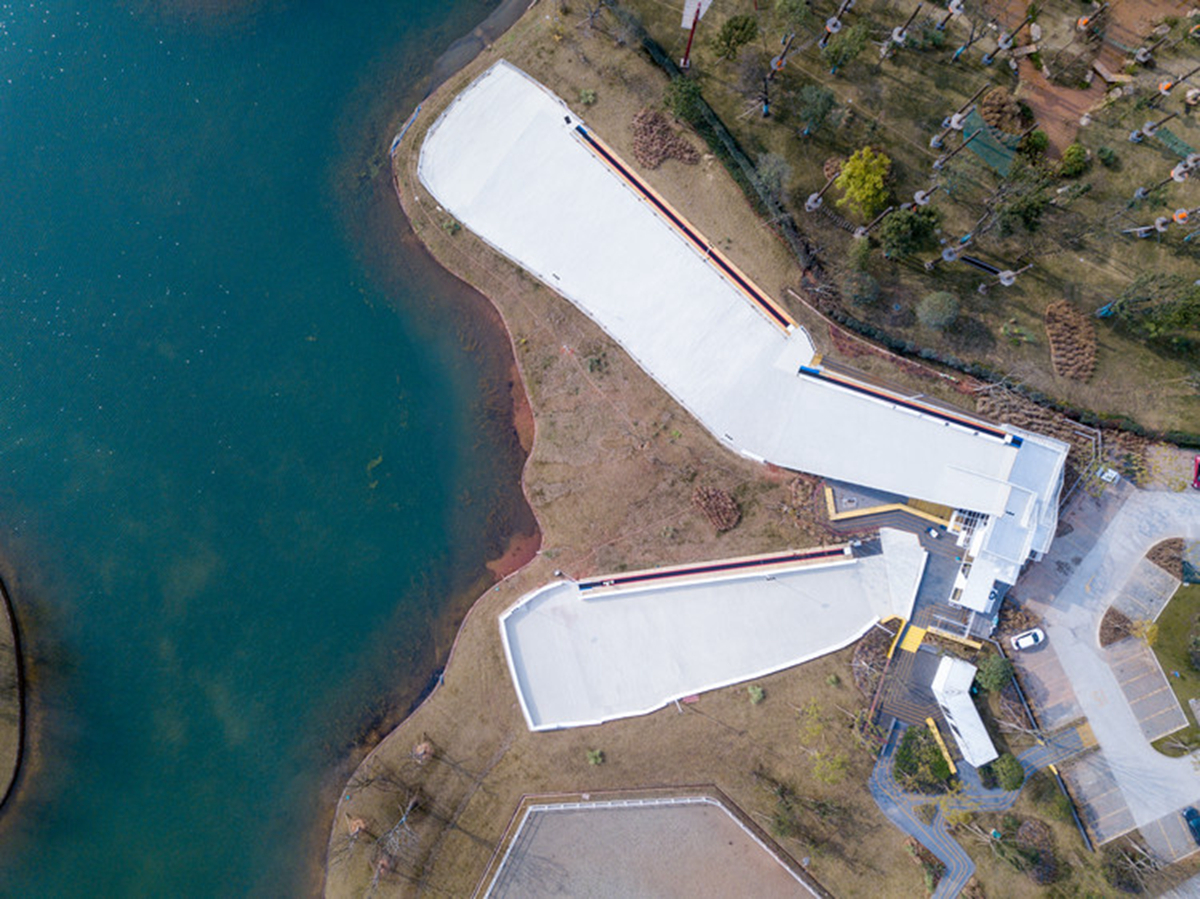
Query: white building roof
<point x="586" y="652"/>
<point x="513" y="163"/>
<point x="977" y="588"/>
<point x="952" y="690"/>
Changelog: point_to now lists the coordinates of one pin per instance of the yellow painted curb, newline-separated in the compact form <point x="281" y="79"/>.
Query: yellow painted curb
<point x="937" y="735"/>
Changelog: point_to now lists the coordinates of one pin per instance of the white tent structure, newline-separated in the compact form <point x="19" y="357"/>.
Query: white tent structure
<point x="516" y="166"/>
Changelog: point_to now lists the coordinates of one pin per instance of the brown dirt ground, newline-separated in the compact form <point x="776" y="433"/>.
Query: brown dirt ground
<point x="1114" y="626"/>
<point x="1168" y="555"/>
<point x="1059" y="108"/>
<point x="10" y="703"/>
<point x="655" y="141"/>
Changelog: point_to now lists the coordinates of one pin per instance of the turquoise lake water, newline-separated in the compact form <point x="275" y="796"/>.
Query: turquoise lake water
<point x="252" y="442"/>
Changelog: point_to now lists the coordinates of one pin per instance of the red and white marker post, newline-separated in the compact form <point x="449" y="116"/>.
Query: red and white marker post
<point x="692" y="11"/>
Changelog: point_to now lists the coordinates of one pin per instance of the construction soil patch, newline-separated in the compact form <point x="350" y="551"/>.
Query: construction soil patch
<point x="1114" y="626"/>
<point x="870" y="658"/>
<point x="1072" y="337"/>
<point x="718" y="507"/>
<point x="654" y="141"/>
<point x="1037" y="841"/>
<point x="1168" y="555"/>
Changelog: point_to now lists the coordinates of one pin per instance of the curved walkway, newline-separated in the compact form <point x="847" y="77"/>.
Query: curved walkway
<point x="900" y="806"/>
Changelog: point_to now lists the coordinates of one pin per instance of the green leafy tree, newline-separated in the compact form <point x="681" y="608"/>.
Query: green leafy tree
<point x="1075" y="161"/>
<point x="995" y="673"/>
<point x="773" y="174"/>
<point x="907" y="231"/>
<point x="859" y="255"/>
<point x="1157" y="304"/>
<point x="860" y="288"/>
<point x="830" y="767"/>
<point x="1025" y="209"/>
<point x="863" y="182"/>
<point x="1035" y="144"/>
<point x="845" y="46"/>
<point x="938" y="310"/>
<point x="812" y="106"/>
<point x="919" y="763"/>
<point x="1009" y="773"/>
<point x="735" y="34"/>
<point x="795" y="15"/>
<point x="682" y="99"/>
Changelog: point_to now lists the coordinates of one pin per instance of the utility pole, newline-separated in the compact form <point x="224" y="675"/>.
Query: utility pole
<point x="1006" y="278"/>
<point x="863" y="230"/>
<point x="814" y="201"/>
<point x="899" y="35"/>
<point x="778" y="62"/>
<point x="952" y="11"/>
<point x="834" y="23"/>
<point x="954" y="122"/>
<point x="1164" y="86"/>
<point x="1149" y="129"/>
<point x="1143" y="55"/>
<point x="921" y="197"/>
<point x="692" y="11"/>
<point x="942" y="160"/>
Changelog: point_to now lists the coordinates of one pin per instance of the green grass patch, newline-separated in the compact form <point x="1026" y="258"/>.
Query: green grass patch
<point x="1179" y="618"/>
<point x="919" y="763"/>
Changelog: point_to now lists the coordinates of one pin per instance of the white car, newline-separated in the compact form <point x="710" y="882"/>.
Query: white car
<point x="1029" y="639"/>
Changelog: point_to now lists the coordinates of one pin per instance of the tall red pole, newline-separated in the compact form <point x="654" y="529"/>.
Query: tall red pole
<point x="687" y="51"/>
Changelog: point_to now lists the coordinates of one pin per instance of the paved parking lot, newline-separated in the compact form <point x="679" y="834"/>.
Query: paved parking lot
<point x="1145" y="686"/>
<point x="1101" y="803"/>
<point x="1169" y="837"/>
<point x="1148" y="589"/>
<point x="1097" y="561"/>
<point x="1047" y="687"/>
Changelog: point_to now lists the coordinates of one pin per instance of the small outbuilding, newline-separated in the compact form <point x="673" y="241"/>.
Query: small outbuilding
<point x="952" y="690"/>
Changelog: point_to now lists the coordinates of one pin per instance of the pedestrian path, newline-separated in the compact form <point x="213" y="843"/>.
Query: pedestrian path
<point x="900" y="806"/>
